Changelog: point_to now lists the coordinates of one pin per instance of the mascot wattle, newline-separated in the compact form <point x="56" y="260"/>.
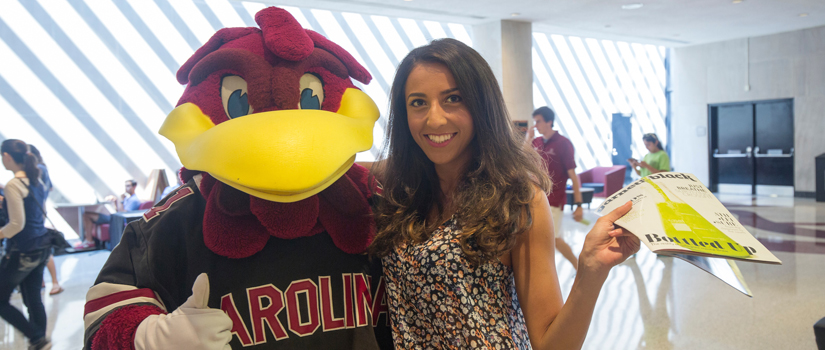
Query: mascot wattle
<point x="264" y="246"/>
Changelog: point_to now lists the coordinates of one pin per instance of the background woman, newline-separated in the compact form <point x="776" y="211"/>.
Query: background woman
<point x="47" y="183"/>
<point x="464" y="225"/>
<point x="656" y="161"/>
<point x="26" y="254"/>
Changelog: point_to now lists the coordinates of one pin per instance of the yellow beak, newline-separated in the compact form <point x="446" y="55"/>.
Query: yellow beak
<point x="281" y="156"/>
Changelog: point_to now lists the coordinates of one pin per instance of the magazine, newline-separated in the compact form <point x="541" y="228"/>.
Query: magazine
<point x="675" y="214"/>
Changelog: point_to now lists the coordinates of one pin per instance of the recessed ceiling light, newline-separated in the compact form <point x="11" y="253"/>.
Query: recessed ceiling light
<point x="803" y="15"/>
<point x="407" y="0"/>
<point x="737" y="1"/>
<point x="632" y="6"/>
<point x="515" y="14"/>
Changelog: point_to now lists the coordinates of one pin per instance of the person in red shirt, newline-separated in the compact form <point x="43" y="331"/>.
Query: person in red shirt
<point x="557" y="152"/>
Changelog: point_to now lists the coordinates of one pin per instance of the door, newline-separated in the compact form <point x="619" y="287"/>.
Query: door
<point x="622" y="140"/>
<point x="773" y="146"/>
<point x="734" y="146"/>
<point x="752" y="147"/>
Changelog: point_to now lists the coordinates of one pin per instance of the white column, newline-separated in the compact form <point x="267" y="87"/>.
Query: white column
<point x="507" y="47"/>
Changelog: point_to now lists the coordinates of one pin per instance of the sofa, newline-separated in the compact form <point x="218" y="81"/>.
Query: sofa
<point x="611" y="177"/>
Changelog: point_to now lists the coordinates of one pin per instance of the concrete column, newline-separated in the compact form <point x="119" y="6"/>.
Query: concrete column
<point x="507" y="47"/>
<point x="487" y="41"/>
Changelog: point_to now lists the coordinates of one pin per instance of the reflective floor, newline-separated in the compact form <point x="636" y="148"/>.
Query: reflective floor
<point x="662" y="303"/>
<point x="647" y="302"/>
<point x="64" y="311"/>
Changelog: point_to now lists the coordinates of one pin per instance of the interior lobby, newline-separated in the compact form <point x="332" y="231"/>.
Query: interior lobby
<point x="733" y="91"/>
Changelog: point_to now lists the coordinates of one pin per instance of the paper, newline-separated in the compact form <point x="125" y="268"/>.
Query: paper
<point x="674" y="213"/>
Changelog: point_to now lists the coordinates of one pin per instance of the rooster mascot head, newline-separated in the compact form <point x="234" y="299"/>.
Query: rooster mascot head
<point x="272" y="122"/>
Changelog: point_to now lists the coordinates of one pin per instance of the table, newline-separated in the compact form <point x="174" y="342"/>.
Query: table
<point x="587" y="197"/>
<point x="596" y="186"/>
<point x="118" y="224"/>
<point x="73" y="214"/>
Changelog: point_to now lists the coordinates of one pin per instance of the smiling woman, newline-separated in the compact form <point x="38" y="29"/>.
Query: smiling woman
<point x="451" y="144"/>
<point x="464" y="226"/>
<point x="437" y="116"/>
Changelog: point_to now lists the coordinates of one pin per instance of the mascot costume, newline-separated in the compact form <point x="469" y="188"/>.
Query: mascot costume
<point x="264" y="246"/>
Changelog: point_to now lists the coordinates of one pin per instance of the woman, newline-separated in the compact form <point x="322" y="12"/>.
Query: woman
<point x="656" y="161"/>
<point x="26" y="253"/>
<point x="464" y="227"/>
<point x="47" y="184"/>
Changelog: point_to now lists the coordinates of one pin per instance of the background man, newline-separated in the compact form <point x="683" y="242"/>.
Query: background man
<point x="557" y="152"/>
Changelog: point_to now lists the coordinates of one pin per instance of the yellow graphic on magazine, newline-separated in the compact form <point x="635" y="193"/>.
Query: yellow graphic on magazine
<point x="685" y="227"/>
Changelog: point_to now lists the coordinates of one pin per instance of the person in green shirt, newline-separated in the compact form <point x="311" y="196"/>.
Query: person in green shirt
<point x="656" y="161"/>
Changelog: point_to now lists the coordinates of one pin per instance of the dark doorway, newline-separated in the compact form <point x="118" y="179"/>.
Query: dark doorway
<point x="751" y="146"/>
<point x="622" y="139"/>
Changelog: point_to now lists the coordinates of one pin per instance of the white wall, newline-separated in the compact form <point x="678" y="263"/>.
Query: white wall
<point x="785" y="65"/>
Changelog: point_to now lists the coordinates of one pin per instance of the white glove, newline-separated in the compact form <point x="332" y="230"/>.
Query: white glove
<point x="192" y="326"/>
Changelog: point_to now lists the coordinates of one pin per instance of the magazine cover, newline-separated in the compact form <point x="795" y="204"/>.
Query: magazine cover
<point x="674" y="213"/>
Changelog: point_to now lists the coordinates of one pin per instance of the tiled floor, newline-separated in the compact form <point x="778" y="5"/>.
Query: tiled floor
<point x="647" y="302"/>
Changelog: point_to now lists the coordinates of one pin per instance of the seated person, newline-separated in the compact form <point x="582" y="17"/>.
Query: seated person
<point x="127" y="202"/>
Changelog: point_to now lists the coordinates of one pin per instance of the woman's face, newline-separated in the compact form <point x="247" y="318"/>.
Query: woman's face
<point x="438" y="118"/>
<point x="7" y="161"/>
<point x="651" y="146"/>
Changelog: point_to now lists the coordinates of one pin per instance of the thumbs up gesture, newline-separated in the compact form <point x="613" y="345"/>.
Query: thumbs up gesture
<point x="192" y="326"/>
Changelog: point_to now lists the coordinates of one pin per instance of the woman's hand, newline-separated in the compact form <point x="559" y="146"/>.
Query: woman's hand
<point x="646" y="166"/>
<point x="608" y="245"/>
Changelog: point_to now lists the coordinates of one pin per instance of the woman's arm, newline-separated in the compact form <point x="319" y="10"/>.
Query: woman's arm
<point x="15" y="192"/>
<point x="648" y="167"/>
<point x="662" y="166"/>
<point x="550" y="322"/>
<point x="652" y="169"/>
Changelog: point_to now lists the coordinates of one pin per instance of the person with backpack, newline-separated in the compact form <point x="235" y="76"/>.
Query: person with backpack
<point x="28" y="246"/>
<point x="47" y="183"/>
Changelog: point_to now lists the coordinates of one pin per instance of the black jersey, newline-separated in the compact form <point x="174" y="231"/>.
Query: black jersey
<point x="300" y="293"/>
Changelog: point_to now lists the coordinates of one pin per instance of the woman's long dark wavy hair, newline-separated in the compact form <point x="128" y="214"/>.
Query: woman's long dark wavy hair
<point x="21" y="154"/>
<point x="492" y="198"/>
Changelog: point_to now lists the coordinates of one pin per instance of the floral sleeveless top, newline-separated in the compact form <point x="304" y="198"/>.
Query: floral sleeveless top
<point x="439" y="300"/>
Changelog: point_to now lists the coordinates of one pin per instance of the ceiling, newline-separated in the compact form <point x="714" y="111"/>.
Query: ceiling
<point x="671" y="23"/>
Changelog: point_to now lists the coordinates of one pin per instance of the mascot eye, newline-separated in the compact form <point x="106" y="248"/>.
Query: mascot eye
<point x="234" y="97"/>
<point x="312" y="92"/>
